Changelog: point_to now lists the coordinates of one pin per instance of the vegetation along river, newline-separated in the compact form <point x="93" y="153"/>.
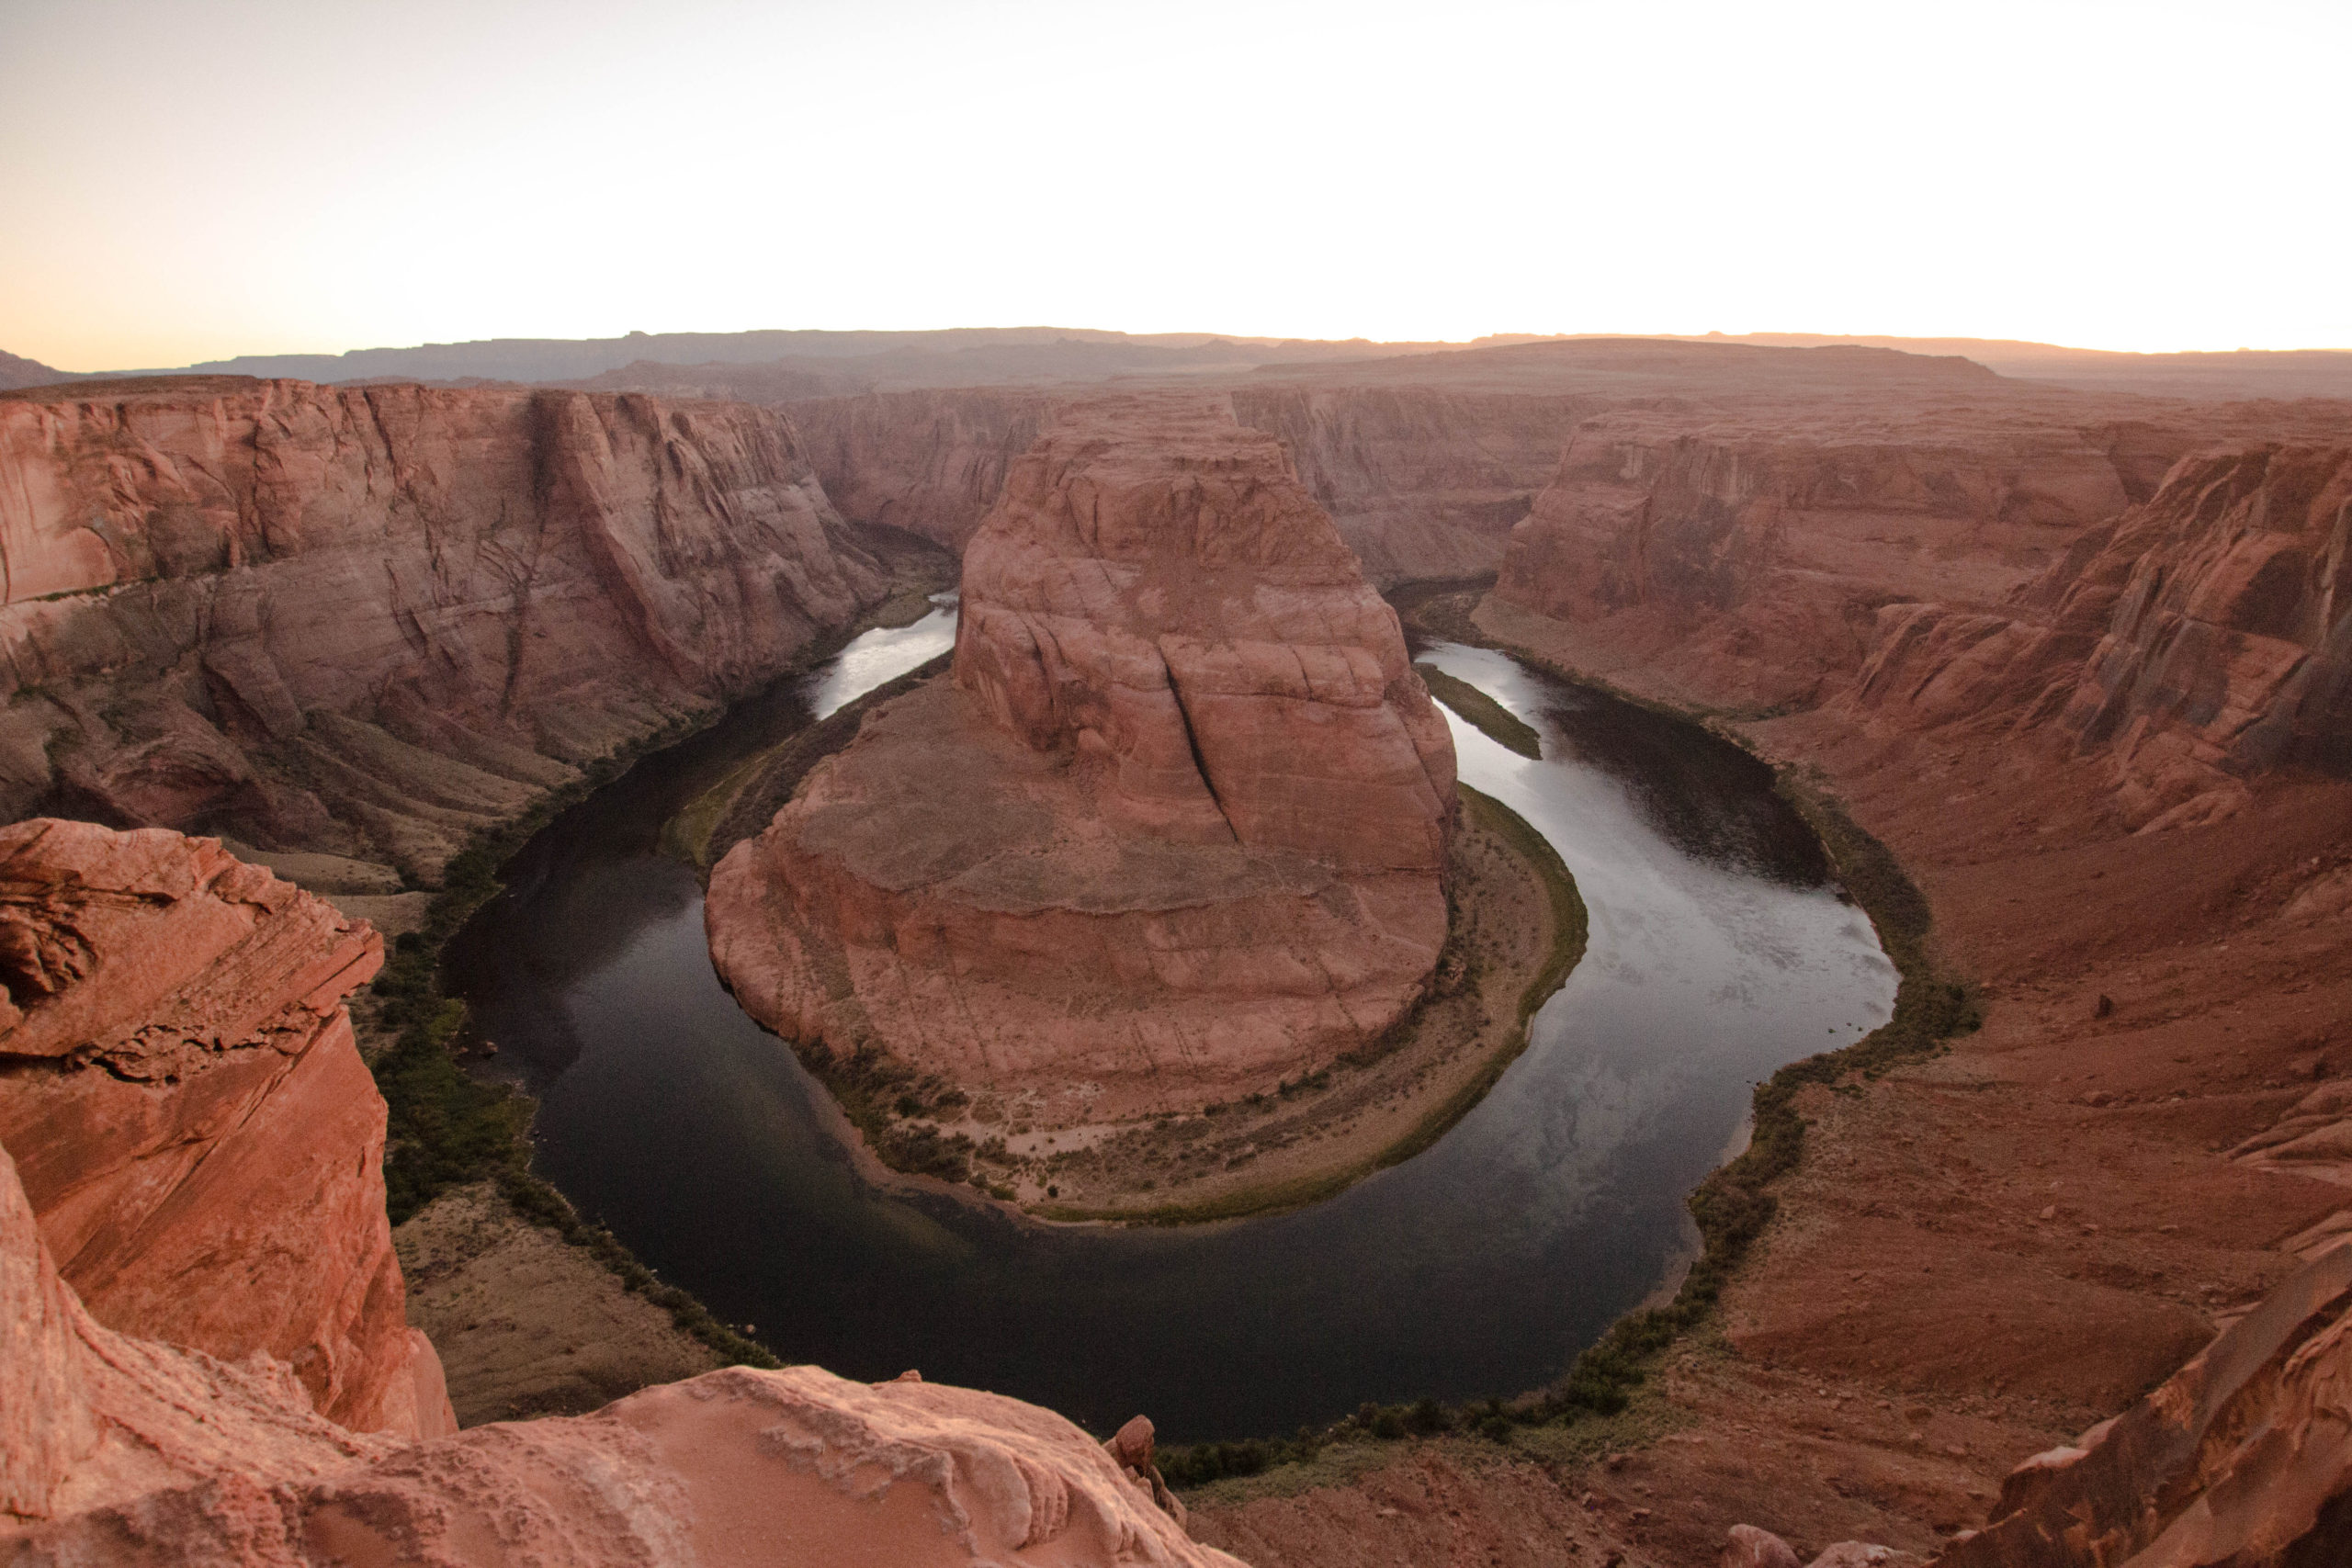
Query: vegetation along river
<point x="1719" y="951"/>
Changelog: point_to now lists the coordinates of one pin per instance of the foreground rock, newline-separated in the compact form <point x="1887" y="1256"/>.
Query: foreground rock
<point x="119" y="1450"/>
<point x="374" y="620"/>
<point x="194" y="1127"/>
<point x="1176" y="831"/>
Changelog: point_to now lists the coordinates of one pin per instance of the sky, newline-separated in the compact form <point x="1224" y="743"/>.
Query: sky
<point x="191" y="180"/>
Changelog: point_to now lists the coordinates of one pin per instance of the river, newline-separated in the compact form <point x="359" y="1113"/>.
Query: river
<point x="1719" y="951"/>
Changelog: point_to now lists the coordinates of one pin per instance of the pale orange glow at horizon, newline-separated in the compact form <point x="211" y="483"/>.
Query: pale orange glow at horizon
<point x="191" y="181"/>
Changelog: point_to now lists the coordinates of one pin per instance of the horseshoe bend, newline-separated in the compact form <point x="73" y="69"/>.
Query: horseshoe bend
<point x="1610" y="944"/>
<point x="1178" y="829"/>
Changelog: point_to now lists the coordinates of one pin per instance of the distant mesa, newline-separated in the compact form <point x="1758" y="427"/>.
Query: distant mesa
<point x="1175" y="830"/>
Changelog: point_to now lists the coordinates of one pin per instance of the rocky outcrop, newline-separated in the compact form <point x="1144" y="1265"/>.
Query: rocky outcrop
<point x="121" y="1450"/>
<point x="1751" y="555"/>
<point x="189" y="1115"/>
<point x="375" y="619"/>
<point x="930" y="462"/>
<point x="2198" y="641"/>
<point x="1423" y="482"/>
<point x="2244" y="1457"/>
<point x="1177" y="830"/>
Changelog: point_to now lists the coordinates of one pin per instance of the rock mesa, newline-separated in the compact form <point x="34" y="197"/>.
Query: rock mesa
<point x="1178" y="828"/>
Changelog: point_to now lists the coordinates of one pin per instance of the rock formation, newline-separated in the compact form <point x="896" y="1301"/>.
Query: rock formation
<point x="191" y="1120"/>
<point x="374" y="620"/>
<point x="116" y="1449"/>
<point x="1752" y="552"/>
<point x="2244" y="1457"/>
<point x="1177" y="830"/>
<point x="184" y="1122"/>
<point x="931" y="462"/>
<point x="1422" y="481"/>
<point x="2198" y="639"/>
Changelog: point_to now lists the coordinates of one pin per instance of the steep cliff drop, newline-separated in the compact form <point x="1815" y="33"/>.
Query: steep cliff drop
<point x="1177" y="830"/>
<point x="375" y="620"/>
<point x="190" y="1119"/>
<point x="2196" y="642"/>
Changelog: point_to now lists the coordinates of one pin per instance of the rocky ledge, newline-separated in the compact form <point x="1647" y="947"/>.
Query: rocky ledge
<point x="1176" y="830"/>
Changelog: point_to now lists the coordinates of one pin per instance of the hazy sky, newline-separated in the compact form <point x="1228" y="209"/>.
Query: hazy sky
<point x="182" y="180"/>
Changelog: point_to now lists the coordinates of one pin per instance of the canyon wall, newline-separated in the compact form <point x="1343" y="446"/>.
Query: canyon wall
<point x="190" y="1118"/>
<point x="2198" y="640"/>
<point x="1178" y="828"/>
<point x="1422" y="482"/>
<point x="376" y="620"/>
<point x="929" y="462"/>
<point x="1751" y="555"/>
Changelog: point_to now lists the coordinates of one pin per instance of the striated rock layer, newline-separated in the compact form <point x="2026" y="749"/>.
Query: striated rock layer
<point x="930" y="462"/>
<point x="1422" y="481"/>
<point x="1178" y="828"/>
<point x="376" y="620"/>
<point x="191" y="1119"/>
<point x="2197" y="640"/>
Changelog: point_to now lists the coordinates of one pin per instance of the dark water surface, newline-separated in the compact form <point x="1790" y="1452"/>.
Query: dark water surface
<point x="1718" y="953"/>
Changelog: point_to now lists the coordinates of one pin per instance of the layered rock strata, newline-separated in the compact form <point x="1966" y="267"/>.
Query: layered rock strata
<point x="189" y="1115"/>
<point x="1423" y="482"/>
<point x="374" y="620"/>
<point x="930" y="462"/>
<point x="1176" y="830"/>
<point x="2196" y="641"/>
<point x="2243" y="1456"/>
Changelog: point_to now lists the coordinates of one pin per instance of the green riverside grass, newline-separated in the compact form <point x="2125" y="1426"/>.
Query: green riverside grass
<point x="1493" y="721"/>
<point x="1732" y="1206"/>
<point x="446" y="1128"/>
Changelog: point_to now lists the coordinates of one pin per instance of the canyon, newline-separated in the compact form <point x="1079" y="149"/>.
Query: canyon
<point x="2077" y="658"/>
<point x="372" y="622"/>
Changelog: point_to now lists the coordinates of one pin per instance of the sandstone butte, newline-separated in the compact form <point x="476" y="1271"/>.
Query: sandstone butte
<point x="377" y="620"/>
<point x="204" y="1360"/>
<point x="1178" y="828"/>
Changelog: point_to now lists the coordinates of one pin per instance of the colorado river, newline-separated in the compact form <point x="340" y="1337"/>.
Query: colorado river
<point x="1718" y="952"/>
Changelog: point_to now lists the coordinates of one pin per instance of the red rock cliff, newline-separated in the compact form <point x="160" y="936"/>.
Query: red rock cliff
<point x="1422" y="481"/>
<point x="930" y="462"/>
<point x="2200" y="639"/>
<point x="374" y="619"/>
<point x="1177" y="830"/>
<point x="189" y="1114"/>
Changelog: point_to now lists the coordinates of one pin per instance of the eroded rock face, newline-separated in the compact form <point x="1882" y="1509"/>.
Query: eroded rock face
<point x="190" y="1116"/>
<point x="376" y="620"/>
<point x="2244" y="1456"/>
<point x="1176" y="830"/>
<point x="930" y="462"/>
<point x="1752" y="552"/>
<point x="2198" y="640"/>
<point x="122" y="1451"/>
<point x="1422" y="481"/>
